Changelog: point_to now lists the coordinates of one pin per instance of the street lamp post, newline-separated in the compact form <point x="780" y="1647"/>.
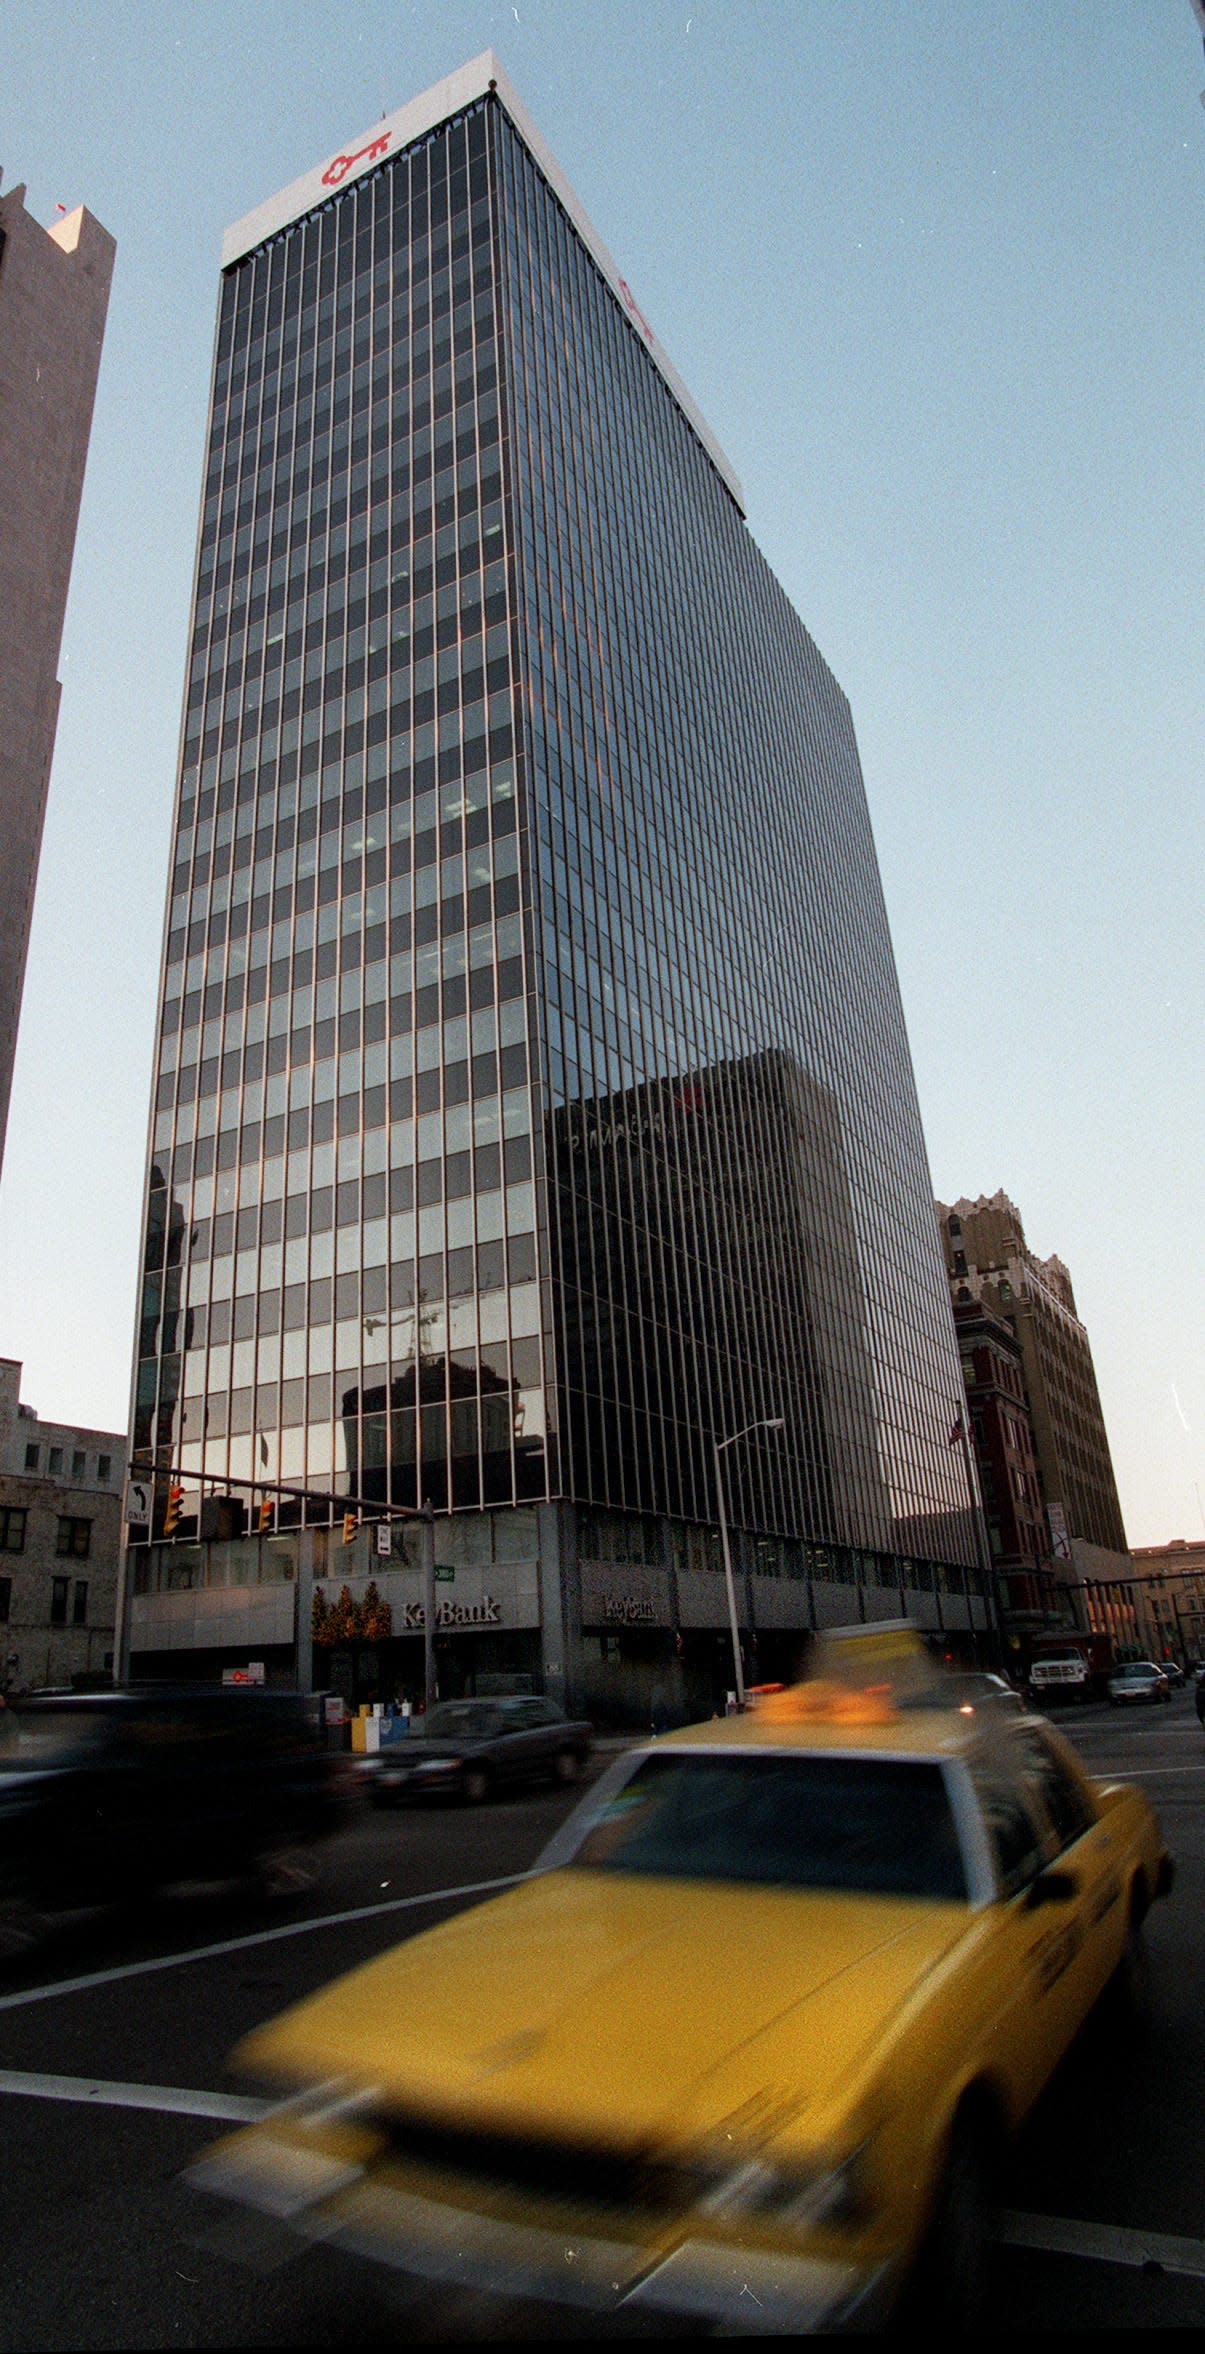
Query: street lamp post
<point x="427" y="1535"/>
<point x="419" y="1312"/>
<point x="774" y="1422"/>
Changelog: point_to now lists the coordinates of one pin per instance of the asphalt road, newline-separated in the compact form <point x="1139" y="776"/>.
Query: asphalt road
<point x="104" y="2246"/>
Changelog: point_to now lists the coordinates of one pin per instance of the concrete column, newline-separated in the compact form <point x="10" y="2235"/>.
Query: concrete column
<point x="121" y="1630"/>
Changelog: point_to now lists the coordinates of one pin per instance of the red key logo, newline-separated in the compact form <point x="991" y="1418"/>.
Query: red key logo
<point x="341" y="165"/>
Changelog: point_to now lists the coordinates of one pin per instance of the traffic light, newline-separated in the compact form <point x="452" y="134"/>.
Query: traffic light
<point x="351" y="1522"/>
<point x="175" y="1498"/>
<point x="265" y="1515"/>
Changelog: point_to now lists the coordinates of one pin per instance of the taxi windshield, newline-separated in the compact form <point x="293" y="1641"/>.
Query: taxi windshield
<point x="874" y="1826"/>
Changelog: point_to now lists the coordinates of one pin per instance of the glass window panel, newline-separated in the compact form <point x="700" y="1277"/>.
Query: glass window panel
<point x="524" y="1308"/>
<point x="520" y="1208"/>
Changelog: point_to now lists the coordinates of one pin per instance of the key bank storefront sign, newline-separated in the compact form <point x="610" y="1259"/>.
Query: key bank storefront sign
<point x="485" y="1613"/>
<point x="503" y="1594"/>
<point x="614" y="1597"/>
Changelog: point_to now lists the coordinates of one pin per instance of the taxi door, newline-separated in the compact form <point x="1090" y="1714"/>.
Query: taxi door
<point x="1029" y="2025"/>
<point x="1094" y="1922"/>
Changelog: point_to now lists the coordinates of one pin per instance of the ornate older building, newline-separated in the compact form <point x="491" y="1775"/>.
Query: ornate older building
<point x="987" y="1261"/>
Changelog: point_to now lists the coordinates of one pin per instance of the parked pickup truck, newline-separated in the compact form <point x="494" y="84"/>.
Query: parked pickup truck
<point x="1063" y="1675"/>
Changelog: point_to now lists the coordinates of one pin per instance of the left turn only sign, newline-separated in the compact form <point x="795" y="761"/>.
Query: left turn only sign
<point x="138" y="1501"/>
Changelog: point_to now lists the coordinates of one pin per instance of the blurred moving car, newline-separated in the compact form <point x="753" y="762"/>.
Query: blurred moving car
<point x="110" y="1796"/>
<point x="1174" y="1673"/>
<point x="469" y="1748"/>
<point x="1199" y="1697"/>
<point x="744" y="2047"/>
<point x="1138" y="1679"/>
<point x="968" y="1689"/>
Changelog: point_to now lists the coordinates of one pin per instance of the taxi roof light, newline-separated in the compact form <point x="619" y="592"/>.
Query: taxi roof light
<point x="860" y="1675"/>
<point x="821" y="1700"/>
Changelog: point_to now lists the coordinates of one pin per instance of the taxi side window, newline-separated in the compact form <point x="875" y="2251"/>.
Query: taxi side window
<point x="1019" y="1842"/>
<point x="1067" y="1805"/>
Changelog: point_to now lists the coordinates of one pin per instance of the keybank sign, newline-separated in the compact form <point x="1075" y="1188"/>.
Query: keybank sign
<point x="485" y="1613"/>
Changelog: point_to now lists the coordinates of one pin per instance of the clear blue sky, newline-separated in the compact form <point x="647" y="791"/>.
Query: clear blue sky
<point x="933" y="273"/>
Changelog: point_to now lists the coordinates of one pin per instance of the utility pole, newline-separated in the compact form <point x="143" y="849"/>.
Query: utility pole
<point x="738" y="1671"/>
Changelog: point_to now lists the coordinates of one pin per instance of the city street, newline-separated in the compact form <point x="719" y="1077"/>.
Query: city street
<point x="113" y="2074"/>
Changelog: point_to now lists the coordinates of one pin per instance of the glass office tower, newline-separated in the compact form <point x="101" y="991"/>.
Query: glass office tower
<point x="534" y="1103"/>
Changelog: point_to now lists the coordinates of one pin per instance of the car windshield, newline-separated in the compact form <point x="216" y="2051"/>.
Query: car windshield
<point x="878" y="1826"/>
<point x="463" y="1720"/>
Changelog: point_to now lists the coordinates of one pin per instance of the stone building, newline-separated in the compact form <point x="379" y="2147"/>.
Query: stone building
<point x="54" y="293"/>
<point x="60" y="1536"/>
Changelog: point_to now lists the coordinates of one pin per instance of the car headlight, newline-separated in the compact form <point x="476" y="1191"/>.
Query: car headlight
<point x="796" y="2195"/>
<point x="328" y="2102"/>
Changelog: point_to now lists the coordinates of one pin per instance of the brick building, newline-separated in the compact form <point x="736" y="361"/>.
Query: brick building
<point x="1169" y="1594"/>
<point x="1006" y="1460"/>
<point x="989" y="1264"/>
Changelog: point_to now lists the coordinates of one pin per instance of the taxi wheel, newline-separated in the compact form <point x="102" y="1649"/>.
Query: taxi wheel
<point x="476" y="1785"/>
<point x="22" y="1926"/>
<point x="949" y="2285"/>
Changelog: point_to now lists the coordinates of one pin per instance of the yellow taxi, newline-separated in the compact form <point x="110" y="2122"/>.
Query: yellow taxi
<point x="744" y="2046"/>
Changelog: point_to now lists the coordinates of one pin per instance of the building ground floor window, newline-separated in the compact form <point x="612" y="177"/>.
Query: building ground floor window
<point x="468" y="1665"/>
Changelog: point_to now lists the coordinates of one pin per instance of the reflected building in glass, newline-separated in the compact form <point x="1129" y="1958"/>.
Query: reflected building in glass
<point x="533" y="1100"/>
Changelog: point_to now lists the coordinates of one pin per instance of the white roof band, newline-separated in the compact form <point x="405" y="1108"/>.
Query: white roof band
<point x="397" y="131"/>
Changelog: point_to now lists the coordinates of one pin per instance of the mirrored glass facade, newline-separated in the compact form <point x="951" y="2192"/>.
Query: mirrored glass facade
<point x="533" y="1098"/>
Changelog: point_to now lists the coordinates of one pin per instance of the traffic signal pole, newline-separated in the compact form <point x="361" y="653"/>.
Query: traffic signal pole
<point x="357" y="1511"/>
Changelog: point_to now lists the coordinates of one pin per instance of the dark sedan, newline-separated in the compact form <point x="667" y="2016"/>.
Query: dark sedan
<point x="468" y="1748"/>
<point x="110" y="1797"/>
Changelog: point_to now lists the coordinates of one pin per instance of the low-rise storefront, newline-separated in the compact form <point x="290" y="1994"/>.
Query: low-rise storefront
<point x="518" y="1607"/>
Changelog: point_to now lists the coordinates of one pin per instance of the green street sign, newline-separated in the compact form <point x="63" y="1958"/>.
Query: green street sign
<point x="447" y="1575"/>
